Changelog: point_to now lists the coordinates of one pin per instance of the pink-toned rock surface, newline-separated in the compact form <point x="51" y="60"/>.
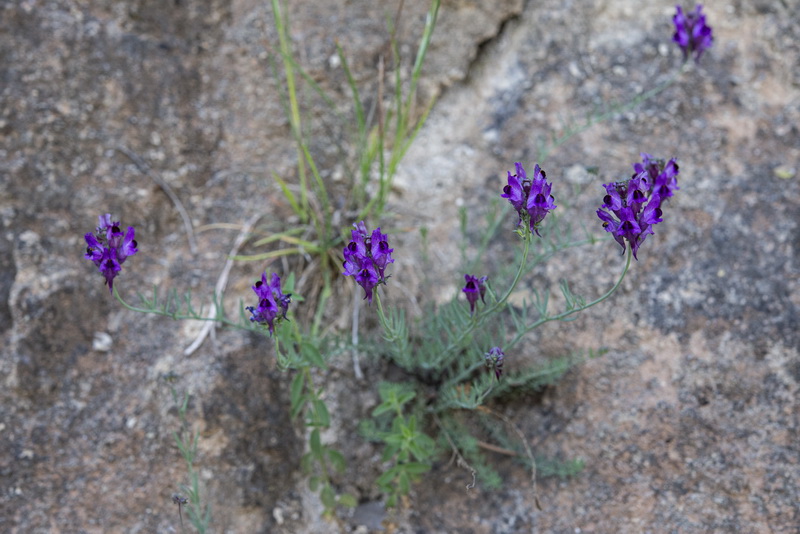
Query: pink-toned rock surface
<point x="688" y="424"/>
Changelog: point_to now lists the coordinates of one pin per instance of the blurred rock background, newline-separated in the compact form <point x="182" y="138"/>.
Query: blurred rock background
<point x="690" y="422"/>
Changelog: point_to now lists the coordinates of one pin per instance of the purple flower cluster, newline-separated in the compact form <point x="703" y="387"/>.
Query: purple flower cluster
<point x="474" y="288"/>
<point x="531" y="198"/>
<point x="271" y="302"/>
<point x="494" y="360"/>
<point x="692" y="33"/>
<point x="636" y="203"/>
<point x="366" y="258"/>
<point x="108" y="247"/>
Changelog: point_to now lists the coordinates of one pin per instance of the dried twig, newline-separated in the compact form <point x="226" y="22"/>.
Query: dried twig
<point x="222" y="283"/>
<point x="145" y="169"/>
<point x="460" y="461"/>
<point x="524" y="441"/>
<point x="497" y="449"/>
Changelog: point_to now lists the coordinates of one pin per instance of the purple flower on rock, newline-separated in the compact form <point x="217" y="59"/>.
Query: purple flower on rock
<point x="630" y="209"/>
<point x="271" y="302"/>
<point x="366" y="258"/>
<point x="108" y="247"/>
<point x="474" y="288"/>
<point x="494" y="360"/>
<point x="692" y="33"/>
<point x="531" y="198"/>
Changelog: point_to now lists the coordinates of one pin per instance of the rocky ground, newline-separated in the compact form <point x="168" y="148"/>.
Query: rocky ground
<point x="688" y="424"/>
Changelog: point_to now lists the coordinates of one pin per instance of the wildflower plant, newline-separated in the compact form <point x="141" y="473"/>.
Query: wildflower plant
<point x="449" y="347"/>
<point x="452" y="358"/>
<point x="448" y="351"/>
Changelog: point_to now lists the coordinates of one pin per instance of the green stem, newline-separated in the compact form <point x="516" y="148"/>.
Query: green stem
<point x="463" y="375"/>
<point x="481" y="318"/>
<point x="477" y="365"/>
<point x="592" y="120"/>
<point x="381" y="315"/>
<point x="563" y="315"/>
<point x="218" y="318"/>
<point x="291" y="89"/>
<point x="528" y="236"/>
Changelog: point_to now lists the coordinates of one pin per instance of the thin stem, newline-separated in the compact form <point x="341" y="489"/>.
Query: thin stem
<point x="145" y="168"/>
<point x="477" y="365"/>
<point x="488" y="312"/>
<point x="354" y="336"/>
<point x="567" y="313"/>
<point x="381" y="315"/>
<point x="528" y="236"/>
<point x="294" y="116"/>
<point x="615" y="109"/>
<point x="178" y="316"/>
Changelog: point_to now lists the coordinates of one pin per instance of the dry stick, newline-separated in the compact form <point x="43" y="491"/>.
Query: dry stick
<point x="528" y="452"/>
<point x="304" y="276"/>
<point x="497" y="449"/>
<point x="222" y="283"/>
<point x="460" y="461"/>
<point x="145" y="169"/>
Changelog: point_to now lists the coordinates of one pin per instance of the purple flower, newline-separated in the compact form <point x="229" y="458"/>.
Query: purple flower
<point x="494" y="360"/>
<point x="366" y="258"/>
<point x="692" y="33"/>
<point x="531" y="198"/>
<point x="514" y="191"/>
<point x="379" y="251"/>
<point x="630" y="209"/>
<point x="474" y="287"/>
<point x="108" y="247"/>
<point x="271" y="302"/>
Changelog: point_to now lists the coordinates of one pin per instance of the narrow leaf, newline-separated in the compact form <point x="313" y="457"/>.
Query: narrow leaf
<point x="322" y="417"/>
<point x="315" y="443"/>
<point x="297" y="391"/>
<point x="416" y="468"/>
<point x="348" y="500"/>
<point x="327" y="496"/>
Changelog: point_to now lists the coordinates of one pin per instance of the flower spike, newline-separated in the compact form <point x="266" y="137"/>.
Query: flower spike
<point x="692" y="33"/>
<point x="530" y="197"/>
<point x="108" y="247"/>
<point x="631" y="208"/>
<point x="366" y="258"/>
<point x="271" y="302"/>
<point x="494" y="361"/>
<point x="474" y="288"/>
